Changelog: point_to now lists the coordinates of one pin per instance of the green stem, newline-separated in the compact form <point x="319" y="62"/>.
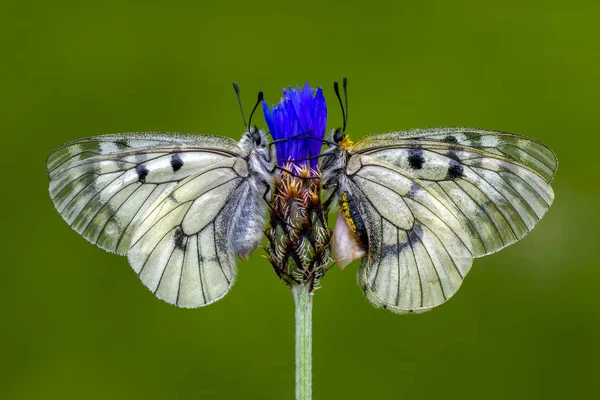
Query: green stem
<point x="303" y="300"/>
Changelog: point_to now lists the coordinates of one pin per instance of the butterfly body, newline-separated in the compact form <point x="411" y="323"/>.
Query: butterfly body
<point x="432" y="200"/>
<point x="353" y="217"/>
<point x="181" y="207"/>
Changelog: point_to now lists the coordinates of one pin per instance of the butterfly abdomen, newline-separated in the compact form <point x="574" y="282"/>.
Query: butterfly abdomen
<point x="349" y="209"/>
<point x="249" y="217"/>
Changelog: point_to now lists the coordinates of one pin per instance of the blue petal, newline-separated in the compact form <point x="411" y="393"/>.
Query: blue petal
<point x="301" y="117"/>
<point x="268" y="118"/>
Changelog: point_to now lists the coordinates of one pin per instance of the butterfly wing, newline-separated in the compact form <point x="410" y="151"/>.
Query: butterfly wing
<point x="418" y="251"/>
<point x="102" y="186"/>
<point x="521" y="149"/>
<point x="171" y="202"/>
<point x="496" y="184"/>
<point x="182" y="249"/>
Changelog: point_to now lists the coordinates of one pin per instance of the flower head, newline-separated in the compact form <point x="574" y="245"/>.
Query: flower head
<point x="298" y="234"/>
<point x="300" y="117"/>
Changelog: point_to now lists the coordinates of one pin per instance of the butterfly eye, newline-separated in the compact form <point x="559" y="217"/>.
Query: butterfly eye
<point x="256" y="137"/>
<point x="338" y="136"/>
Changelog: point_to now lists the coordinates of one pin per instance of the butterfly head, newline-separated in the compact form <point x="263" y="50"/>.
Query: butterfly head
<point x="254" y="141"/>
<point x="341" y="138"/>
<point x="338" y="135"/>
<point x="257" y="137"/>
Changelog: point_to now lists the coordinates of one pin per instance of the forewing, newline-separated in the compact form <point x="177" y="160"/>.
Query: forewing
<point x="182" y="250"/>
<point x="418" y="251"/>
<point x="102" y="186"/>
<point x="520" y="149"/>
<point x="498" y="186"/>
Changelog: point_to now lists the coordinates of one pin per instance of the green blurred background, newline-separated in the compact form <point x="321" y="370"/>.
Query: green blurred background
<point x="76" y="321"/>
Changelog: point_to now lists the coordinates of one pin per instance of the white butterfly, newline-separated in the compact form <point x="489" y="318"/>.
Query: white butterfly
<point x="181" y="207"/>
<point x="419" y="205"/>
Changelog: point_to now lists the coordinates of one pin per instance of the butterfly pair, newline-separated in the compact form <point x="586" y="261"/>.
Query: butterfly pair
<point x="417" y="206"/>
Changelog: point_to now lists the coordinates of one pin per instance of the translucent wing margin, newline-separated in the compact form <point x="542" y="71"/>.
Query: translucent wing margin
<point x="102" y="186"/>
<point x="419" y="252"/>
<point x="496" y="184"/>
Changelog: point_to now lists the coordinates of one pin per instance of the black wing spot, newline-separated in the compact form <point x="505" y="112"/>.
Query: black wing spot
<point x="414" y="233"/>
<point x="171" y="197"/>
<point x="450" y="139"/>
<point x="415" y="158"/>
<point x="473" y="138"/>
<point x="389" y="250"/>
<point x="142" y="172"/>
<point x="122" y="144"/>
<point x="392" y="250"/>
<point x="455" y="170"/>
<point x="414" y="189"/>
<point x="176" y="162"/>
<point x="452" y="154"/>
<point x="179" y="239"/>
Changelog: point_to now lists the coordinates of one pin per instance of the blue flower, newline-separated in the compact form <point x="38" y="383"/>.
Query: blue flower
<point x="300" y="117"/>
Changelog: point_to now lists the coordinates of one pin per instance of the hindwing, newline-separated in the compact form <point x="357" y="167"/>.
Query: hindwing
<point x="418" y="252"/>
<point x="182" y="249"/>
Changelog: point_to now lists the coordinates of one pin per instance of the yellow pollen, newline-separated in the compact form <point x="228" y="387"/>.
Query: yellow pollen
<point x="345" y="208"/>
<point x="346" y="142"/>
<point x="304" y="171"/>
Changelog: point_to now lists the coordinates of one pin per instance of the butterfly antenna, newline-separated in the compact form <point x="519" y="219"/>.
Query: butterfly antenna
<point x="258" y="101"/>
<point x="336" y="88"/>
<point x="345" y="85"/>
<point x="237" y="92"/>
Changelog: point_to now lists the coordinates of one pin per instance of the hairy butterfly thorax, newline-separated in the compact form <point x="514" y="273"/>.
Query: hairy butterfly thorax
<point x="350" y="238"/>
<point x="250" y="217"/>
